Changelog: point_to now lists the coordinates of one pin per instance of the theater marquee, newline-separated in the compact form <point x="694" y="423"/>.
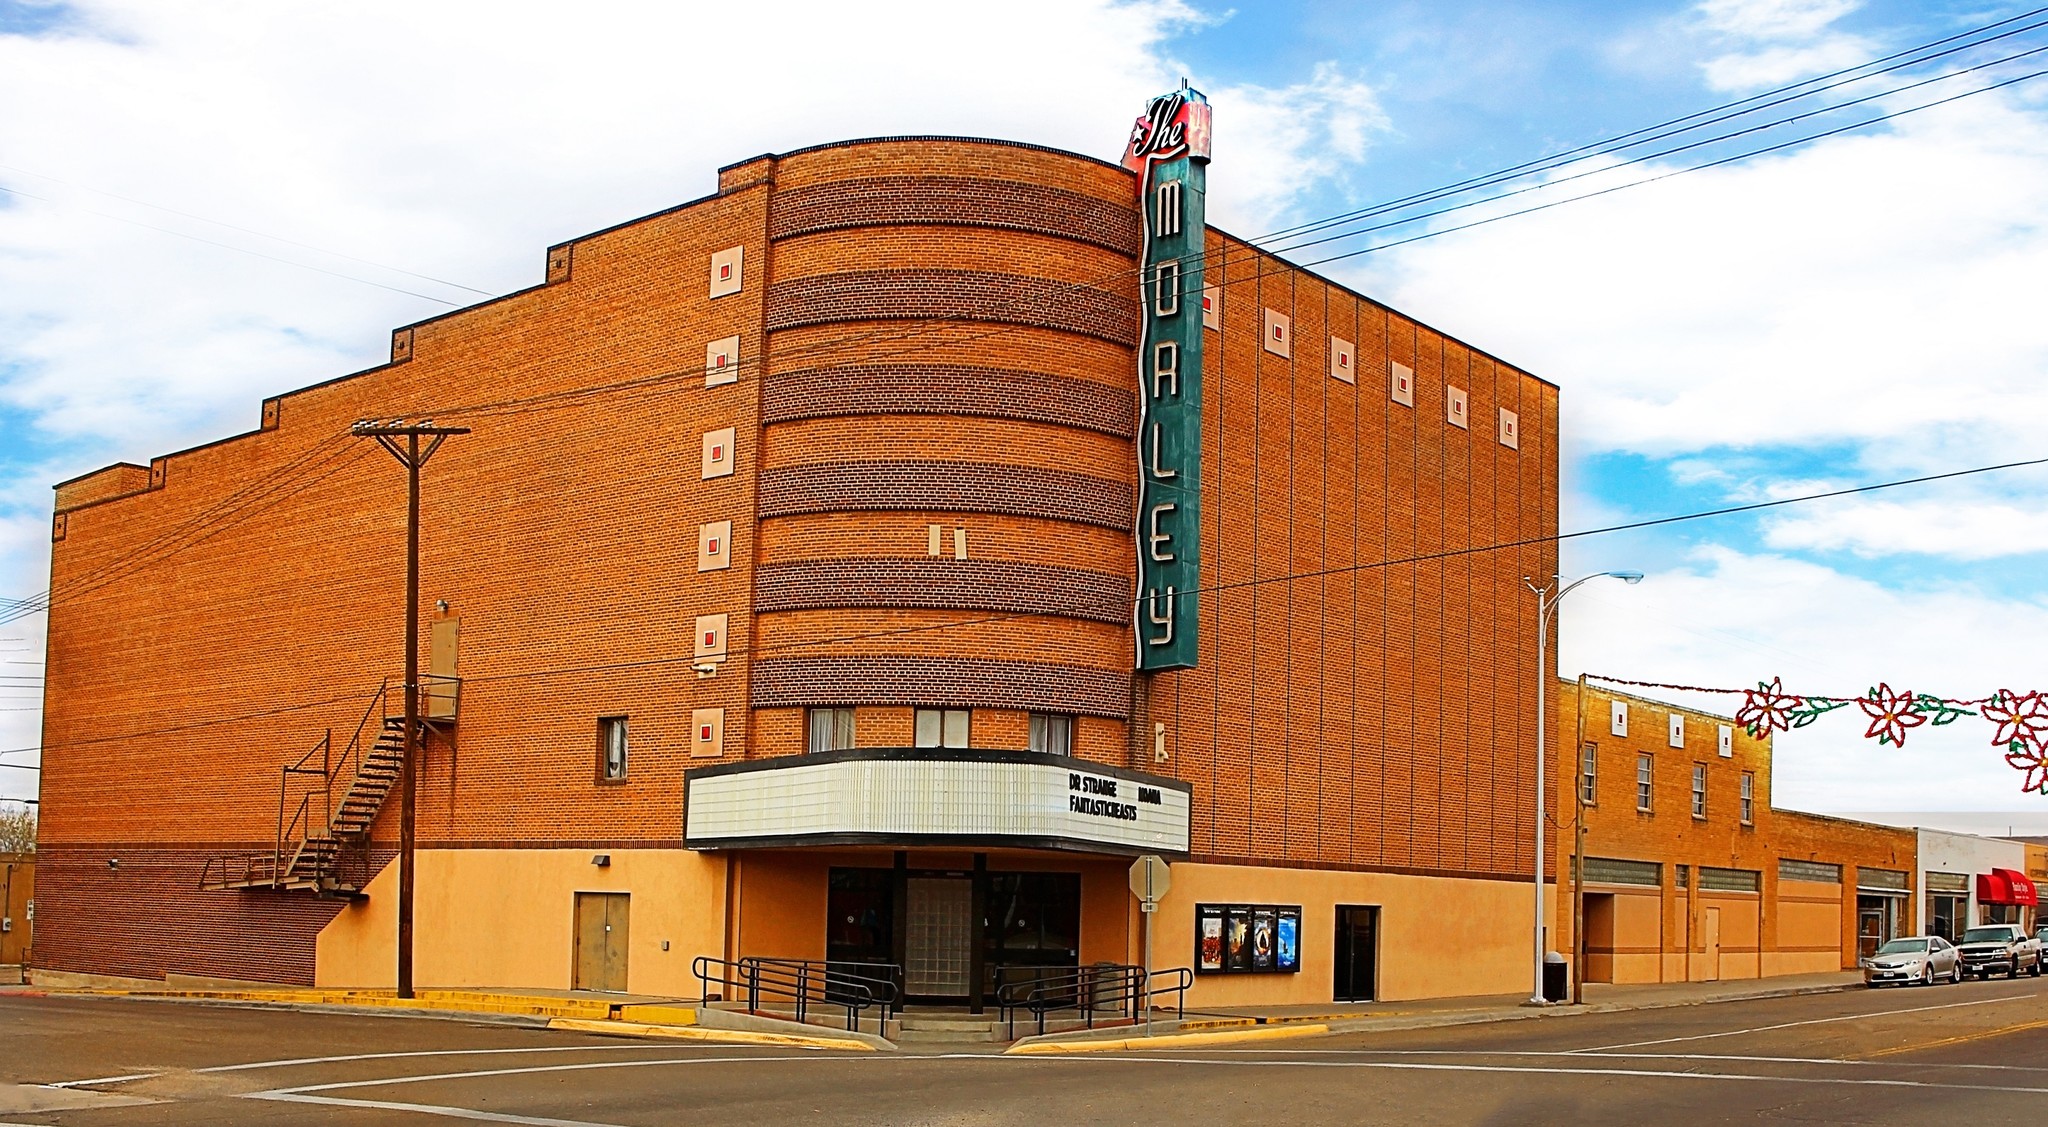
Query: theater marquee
<point x="1169" y="150"/>
<point x="921" y="796"/>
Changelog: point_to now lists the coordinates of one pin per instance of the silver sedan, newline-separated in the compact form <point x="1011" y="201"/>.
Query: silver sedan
<point x="1925" y="959"/>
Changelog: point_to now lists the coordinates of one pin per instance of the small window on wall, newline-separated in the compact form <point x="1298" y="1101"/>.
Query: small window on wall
<point x="1699" y="790"/>
<point x="1748" y="797"/>
<point x="1052" y="733"/>
<point x="1589" y="774"/>
<point x="1643" y="763"/>
<point x="611" y="749"/>
<point x="831" y="729"/>
<point x="1684" y="876"/>
<point x="942" y="727"/>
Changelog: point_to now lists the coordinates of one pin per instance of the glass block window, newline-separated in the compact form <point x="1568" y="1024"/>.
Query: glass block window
<point x="1819" y="872"/>
<point x="1729" y="880"/>
<point x="1608" y="870"/>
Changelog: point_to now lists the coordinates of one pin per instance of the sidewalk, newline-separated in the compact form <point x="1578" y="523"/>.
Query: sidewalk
<point x="1228" y="1024"/>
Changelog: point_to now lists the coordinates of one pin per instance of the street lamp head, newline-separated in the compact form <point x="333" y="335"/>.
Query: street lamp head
<point x="1630" y="577"/>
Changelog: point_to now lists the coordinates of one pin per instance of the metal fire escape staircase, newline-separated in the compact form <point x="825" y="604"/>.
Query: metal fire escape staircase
<point x="322" y="844"/>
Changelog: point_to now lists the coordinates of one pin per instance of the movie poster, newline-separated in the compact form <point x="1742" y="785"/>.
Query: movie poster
<point x="1210" y="953"/>
<point x="1288" y="953"/>
<point x="1239" y="934"/>
<point x="1263" y="920"/>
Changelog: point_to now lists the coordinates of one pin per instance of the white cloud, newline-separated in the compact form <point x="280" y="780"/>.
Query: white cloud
<point x="1777" y="41"/>
<point x="1879" y="289"/>
<point x="1285" y="143"/>
<point x="1963" y="530"/>
<point x="1730" y="619"/>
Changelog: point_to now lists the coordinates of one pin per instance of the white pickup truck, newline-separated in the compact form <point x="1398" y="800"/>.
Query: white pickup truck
<point x="1993" y="948"/>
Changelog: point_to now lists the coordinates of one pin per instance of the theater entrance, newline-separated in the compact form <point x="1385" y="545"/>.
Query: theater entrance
<point x="948" y="930"/>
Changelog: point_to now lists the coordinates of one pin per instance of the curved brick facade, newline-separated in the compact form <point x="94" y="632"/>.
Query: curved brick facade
<point x="965" y="682"/>
<point x="954" y="201"/>
<point x="960" y="295"/>
<point x="968" y="487"/>
<point x="943" y="584"/>
<point x="956" y="389"/>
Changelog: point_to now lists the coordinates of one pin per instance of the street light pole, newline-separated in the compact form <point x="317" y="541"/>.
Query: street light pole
<point x="1546" y="606"/>
<point x="410" y="455"/>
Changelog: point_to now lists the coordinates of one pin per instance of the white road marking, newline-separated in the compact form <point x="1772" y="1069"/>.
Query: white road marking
<point x="1814" y="1021"/>
<point x="294" y="1061"/>
<point x="1418" y="1066"/>
<point x="432" y="1109"/>
<point x="1581" y="1054"/>
<point x="100" y="1080"/>
<point x="485" y="1073"/>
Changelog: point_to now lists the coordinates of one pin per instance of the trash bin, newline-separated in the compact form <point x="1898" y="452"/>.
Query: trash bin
<point x="1554" y="975"/>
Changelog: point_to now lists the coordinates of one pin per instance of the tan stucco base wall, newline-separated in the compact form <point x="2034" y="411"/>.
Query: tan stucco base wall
<point x="1438" y="936"/>
<point x="1643" y="935"/>
<point x="506" y="918"/>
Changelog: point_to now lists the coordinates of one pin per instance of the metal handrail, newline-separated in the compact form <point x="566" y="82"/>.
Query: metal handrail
<point x="883" y="980"/>
<point x="800" y="981"/>
<point x="1178" y="979"/>
<point x="1069" y="988"/>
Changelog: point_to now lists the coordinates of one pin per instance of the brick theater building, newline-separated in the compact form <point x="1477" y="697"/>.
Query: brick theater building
<point x="864" y="562"/>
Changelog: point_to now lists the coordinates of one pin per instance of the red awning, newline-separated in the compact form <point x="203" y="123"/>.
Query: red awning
<point x="2006" y="886"/>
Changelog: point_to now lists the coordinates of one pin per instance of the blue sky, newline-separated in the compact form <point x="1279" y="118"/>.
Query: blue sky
<point x="1856" y="310"/>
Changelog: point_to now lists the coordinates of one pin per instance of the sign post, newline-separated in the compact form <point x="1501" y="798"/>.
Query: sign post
<point x="1150" y="878"/>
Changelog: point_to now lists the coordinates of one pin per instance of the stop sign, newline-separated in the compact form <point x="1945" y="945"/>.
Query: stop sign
<point x="1150" y="878"/>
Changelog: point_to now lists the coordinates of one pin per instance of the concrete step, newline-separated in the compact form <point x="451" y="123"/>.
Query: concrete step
<point x="961" y="1023"/>
<point x="944" y="1037"/>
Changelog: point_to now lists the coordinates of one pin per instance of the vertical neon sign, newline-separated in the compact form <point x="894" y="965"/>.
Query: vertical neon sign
<point x="1169" y="150"/>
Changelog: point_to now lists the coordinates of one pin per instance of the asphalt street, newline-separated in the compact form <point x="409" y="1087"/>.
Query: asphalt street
<point x="1949" y="1054"/>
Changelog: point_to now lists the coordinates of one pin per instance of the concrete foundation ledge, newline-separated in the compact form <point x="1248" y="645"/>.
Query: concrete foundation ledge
<point x="1062" y="1043"/>
<point x="806" y="1040"/>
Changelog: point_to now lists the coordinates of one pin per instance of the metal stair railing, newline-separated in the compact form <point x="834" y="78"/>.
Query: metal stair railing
<point x="802" y="982"/>
<point x="1082" y="989"/>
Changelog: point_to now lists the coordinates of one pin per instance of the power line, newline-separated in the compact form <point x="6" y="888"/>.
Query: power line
<point x="1426" y="557"/>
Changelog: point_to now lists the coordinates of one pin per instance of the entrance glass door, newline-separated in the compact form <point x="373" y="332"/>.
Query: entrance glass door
<point x="938" y="936"/>
<point x="1033" y="926"/>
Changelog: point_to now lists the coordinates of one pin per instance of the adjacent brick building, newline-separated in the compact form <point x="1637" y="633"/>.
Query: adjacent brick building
<point x="1690" y="873"/>
<point x="829" y="476"/>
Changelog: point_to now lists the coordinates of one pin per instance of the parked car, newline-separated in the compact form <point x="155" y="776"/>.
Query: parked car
<point x="1925" y="959"/>
<point x="1989" y="949"/>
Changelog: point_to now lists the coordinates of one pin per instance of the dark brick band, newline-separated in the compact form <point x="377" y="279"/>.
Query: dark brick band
<point x="948" y="389"/>
<point x="968" y="487"/>
<point x="953" y="682"/>
<point x="944" y="584"/>
<point x="954" y="201"/>
<point x="958" y="295"/>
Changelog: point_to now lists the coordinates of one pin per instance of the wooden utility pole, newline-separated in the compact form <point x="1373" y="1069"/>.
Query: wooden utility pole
<point x="1579" y="861"/>
<point x="402" y="438"/>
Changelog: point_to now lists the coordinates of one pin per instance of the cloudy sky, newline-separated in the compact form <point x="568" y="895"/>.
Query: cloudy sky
<point x="207" y="203"/>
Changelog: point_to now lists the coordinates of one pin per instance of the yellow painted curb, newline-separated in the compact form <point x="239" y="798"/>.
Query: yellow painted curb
<point x="453" y="1002"/>
<point x="1172" y="1040"/>
<point x="701" y="1033"/>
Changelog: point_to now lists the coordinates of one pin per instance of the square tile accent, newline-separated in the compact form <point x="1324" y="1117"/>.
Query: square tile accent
<point x="722" y="362"/>
<point x="1401" y="383"/>
<point x="1279" y="334"/>
<point x="1510" y="429"/>
<point x="707" y="733"/>
<point x="1456" y="408"/>
<point x="1724" y="742"/>
<point x="718" y="454"/>
<point x="1343" y="360"/>
<point x="1617" y="719"/>
<point x="559" y="259"/>
<point x="1212" y="308"/>
<point x="714" y="546"/>
<point x="959" y="543"/>
<point x="725" y="271"/>
<point x="710" y="636"/>
<point x="1677" y="738"/>
<point x="934" y="534"/>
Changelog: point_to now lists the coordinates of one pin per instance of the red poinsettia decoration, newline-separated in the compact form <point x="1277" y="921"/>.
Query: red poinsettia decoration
<point x="1890" y="714"/>
<point x="2033" y="759"/>
<point x="2022" y="718"/>
<point x="1767" y="708"/>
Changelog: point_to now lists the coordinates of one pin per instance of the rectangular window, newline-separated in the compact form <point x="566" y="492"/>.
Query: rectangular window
<point x="611" y="749"/>
<point x="831" y="729"/>
<point x="1699" y="790"/>
<point x="1728" y="880"/>
<point x="1684" y="876"/>
<point x="1052" y="733"/>
<point x="1643" y="783"/>
<point x="1609" y="870"/>
<point x="1748" y="797"/>
<point x="1819" y="872"/>
<point x="942" y="727"/>
<point x="1589" y="774"/>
